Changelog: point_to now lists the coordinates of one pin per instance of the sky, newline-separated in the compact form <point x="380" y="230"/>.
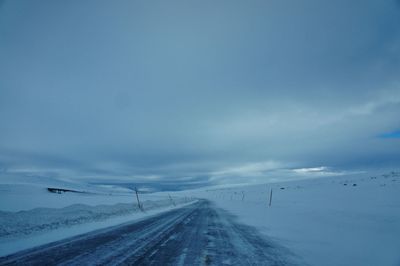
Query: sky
<point x="198" y="93"/>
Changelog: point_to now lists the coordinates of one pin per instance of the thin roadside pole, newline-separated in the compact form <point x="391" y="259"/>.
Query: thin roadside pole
<point x="138" y="201"/>
<point x="270" y="198"/>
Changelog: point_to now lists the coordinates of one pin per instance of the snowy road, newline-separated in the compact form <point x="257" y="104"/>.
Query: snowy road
<point x="198" y="234"/>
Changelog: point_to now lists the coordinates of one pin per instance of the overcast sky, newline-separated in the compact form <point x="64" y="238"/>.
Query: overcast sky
<point x="198" y="92"/>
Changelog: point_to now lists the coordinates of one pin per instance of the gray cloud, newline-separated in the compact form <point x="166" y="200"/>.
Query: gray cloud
<point x="192" y="91"/>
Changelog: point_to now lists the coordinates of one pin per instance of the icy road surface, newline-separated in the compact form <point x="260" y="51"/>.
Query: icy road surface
<point x="198" y="234"/>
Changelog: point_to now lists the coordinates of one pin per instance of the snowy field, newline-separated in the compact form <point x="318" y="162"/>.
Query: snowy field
<point x="23" y="193"/>
<point x="343" y="220"/>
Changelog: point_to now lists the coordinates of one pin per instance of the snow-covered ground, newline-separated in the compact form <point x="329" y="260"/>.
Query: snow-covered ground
<point x="342" y="220"/>
<point x="26" y="193"/>
<point x="31" y="215"/>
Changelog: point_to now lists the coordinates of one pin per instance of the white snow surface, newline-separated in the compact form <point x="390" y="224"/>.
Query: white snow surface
<point x="343" y="220"/>
<point x="26" y="193"/>
<point x="346" y="220"/>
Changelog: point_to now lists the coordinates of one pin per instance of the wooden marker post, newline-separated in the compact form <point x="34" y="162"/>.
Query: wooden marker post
<point x="138" y="201"/>
<point x="270" y="198"/>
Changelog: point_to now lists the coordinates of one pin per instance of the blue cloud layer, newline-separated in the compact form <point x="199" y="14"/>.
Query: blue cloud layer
<point x="197" y="91"/>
